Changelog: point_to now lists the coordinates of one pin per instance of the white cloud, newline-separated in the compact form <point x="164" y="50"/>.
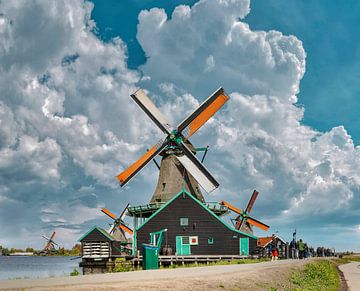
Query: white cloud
<point x="65" y="113"/>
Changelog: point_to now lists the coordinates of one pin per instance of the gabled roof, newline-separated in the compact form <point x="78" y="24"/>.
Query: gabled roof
<point x="102" y="231"/>
<point x="182" y="192"/>
<point x="264" y="241"/>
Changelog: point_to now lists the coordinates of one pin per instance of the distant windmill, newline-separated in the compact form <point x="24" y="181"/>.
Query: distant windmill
<point x="118" y="227"/>
<point x="50" y="244"/>
<point x="243" y="221"/>
<point x="179" y="167"/>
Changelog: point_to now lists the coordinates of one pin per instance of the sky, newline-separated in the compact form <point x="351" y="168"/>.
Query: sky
<point x="68" y="126"/>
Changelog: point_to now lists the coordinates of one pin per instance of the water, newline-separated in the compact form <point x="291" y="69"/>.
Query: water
<point x="12" y="267"/>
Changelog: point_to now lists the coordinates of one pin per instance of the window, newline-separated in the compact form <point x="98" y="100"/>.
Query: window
<point x="184" y="221"/>
<point x="185" y="240"/>
<point x="210" y="241"/>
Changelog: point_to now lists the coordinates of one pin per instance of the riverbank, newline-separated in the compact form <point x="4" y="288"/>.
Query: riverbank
<point x="260" y="276"/>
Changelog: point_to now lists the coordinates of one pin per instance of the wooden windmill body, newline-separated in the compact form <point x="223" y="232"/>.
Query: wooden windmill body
<point x="172" y="178"/>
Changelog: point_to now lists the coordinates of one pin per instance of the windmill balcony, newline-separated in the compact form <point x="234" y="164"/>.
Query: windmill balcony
<point x="147" y="210"/>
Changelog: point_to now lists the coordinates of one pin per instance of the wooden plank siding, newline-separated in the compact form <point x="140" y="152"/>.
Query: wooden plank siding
<point x="201" y="223"/>
<point x="97" y="236"/>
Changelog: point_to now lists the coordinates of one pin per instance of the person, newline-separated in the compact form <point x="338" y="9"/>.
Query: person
<point x="272" y="247"/>
<point x="276" y="253"/>
<point x="301" y="249"/>
<point x="292" y="248"/>
<point x="296" y="250"/>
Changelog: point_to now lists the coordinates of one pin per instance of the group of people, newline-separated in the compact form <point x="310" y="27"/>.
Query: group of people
<point x="297" y="249"/>
<point x="300" y="250"/>
<point x="325" y="252"/>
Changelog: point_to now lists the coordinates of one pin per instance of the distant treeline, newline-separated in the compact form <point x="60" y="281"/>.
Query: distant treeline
<point x="75" y="251"/>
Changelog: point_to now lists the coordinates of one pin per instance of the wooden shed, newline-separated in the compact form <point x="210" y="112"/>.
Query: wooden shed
<point x="193" y="229"/>
<point x="99" y="244"/>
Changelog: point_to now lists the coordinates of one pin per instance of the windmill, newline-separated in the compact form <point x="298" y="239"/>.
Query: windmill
<point x="179" y="167"/>
<point x="118" y="227"/>
<point x="243" y="221"/>
<point x="50" y="244"/>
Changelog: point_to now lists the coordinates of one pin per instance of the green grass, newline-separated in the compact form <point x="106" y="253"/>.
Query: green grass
<point x="320" y="275"/>
<point x="346" y="259"/>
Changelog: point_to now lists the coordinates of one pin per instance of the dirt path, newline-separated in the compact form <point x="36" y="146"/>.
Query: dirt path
<point x="352" y="275"/>
<point x="260" y="276"/>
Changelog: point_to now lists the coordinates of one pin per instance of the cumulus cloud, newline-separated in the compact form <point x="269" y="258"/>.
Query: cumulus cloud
<point x="65" y="116"/>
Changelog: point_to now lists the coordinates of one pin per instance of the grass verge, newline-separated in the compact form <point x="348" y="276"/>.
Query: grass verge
<point x="319" y="275"/>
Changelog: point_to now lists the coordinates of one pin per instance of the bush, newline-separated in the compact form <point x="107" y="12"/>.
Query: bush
<point x="121" y="265"/>
<point x="75" y="272"/>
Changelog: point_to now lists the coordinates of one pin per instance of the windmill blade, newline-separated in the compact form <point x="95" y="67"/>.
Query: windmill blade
<point x="112" y="228"/>
<point x="251" y="201"/>
<point x="45" y="237"/>
<point x="52" y="236"/>
<point x="197" y="169"/>
<point x="108" y="213"/>
<point x="240" y="222"/>
<point x="130" y="172"/>
<point x="203" y="113"/>
<point x="126" y="228"/>
<point x="54" y="243"/>
<point x="231" y="207"/>
<point x="122" y="215"/>
<point x="258" y="223"/>
<point x="151" y="110"/>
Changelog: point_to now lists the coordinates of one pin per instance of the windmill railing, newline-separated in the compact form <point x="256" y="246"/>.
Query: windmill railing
<point x="148" y="209"/>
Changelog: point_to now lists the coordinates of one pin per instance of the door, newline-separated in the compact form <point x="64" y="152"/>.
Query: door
<point x="244" y="246"/>
<point x="183" y="245"/>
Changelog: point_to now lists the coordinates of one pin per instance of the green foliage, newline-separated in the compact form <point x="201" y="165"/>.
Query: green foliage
<point x="321" y="275"/>
<point x="75" y="272"/>
<point x="121" y="265"/>
<point x="4" y="251"/>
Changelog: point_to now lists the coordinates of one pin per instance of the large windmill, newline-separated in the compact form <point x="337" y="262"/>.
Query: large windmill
<point x="243" y="221"/>
<point x="50" y="244"/>
<point x="118" y="228"/>
<point x="179" y="168"/>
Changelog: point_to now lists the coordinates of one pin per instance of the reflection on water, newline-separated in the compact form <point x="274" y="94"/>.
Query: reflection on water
<point x="13" y="267"/>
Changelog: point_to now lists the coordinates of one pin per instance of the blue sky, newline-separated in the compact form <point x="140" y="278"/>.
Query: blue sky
<point x="290" y="129"/>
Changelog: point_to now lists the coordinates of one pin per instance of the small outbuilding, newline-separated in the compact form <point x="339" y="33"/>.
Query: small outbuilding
<point x="193" y="229"/>
<point x="97" y="243"/>
<point x="265" y="244"/>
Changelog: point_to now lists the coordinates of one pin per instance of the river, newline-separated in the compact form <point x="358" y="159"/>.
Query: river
<point x="12" y="267"/>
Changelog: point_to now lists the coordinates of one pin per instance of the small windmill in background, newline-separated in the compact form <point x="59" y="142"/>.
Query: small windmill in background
<point x="243" y="221"/>
<point x="118" y="228"/>
<point x="50" y="244"/>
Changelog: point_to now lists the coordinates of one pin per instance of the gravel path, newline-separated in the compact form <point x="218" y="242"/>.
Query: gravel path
<point x="352" y="275"/>
<point x="260" y="276"/>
